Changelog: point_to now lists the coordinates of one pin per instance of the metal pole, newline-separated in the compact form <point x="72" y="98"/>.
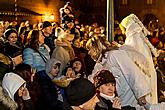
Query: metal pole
<point x="15" y="9"/>
<point x="110" y="20"/>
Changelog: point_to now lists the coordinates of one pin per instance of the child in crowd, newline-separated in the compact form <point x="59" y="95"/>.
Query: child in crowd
<point x="51" y="95"/>
<point x="76" y="69"/>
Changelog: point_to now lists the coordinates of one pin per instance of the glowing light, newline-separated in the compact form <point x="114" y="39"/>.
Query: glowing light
<point x="48" y="17"/>
<point x="52" y="17"/>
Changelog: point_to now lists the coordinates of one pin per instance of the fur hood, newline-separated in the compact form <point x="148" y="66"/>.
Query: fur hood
<point x="7" y="101"/>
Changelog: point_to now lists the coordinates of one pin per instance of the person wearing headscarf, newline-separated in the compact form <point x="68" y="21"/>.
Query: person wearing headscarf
<point x="136" y="34"/>
<point x="13" y="93"/>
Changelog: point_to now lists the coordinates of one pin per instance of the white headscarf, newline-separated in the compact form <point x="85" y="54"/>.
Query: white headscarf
<point x="11" y="83"/>
<point x="134" y="25"/>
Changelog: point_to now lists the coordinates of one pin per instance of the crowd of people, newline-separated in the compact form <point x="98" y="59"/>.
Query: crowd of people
<point x="127" y="74"/>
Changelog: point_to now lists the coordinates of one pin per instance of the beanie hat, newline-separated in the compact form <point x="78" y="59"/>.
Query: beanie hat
<point x="79" y="91"/>
<point x="11" y="83"/>
<point x="103" y="77"/>
<point x="46" y="24"/>
<point x="9" y="31"/>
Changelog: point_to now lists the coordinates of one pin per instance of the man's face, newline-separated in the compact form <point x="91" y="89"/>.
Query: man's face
<point x="48" y="30"/>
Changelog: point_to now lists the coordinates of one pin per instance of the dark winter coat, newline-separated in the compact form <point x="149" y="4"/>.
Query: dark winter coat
<point x="49" y="96"/>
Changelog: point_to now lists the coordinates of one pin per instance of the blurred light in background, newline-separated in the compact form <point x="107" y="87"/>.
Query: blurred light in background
<point x="48" y="17"/>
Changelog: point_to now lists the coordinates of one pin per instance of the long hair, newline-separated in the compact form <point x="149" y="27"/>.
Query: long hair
<point x="25" y="71"/>
<point x="100" y="45"/>
<point x="34" y="39"/>
<point x="19" y="101"/>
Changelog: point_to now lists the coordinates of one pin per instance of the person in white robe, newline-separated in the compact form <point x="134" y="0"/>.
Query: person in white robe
<point x="136" y="37"/>
<point x="131" y="84"/>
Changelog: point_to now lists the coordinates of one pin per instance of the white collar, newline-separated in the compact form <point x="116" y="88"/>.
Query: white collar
<point x="107" y="97"/>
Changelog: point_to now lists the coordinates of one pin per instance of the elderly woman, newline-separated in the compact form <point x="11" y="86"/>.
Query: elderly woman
<point x="105" y="84"/>
<point x="136" y="37"/>
<point x="37" y="53"/>
<point x="127" y="73"/>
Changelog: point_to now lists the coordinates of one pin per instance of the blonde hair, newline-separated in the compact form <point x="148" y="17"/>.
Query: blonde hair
<point x="65" y="35"/>
<point x="100" y="45"/>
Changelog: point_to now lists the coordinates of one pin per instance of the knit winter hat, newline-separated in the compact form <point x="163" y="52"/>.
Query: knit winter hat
<point x="46" y="24"/>
<point x="11" y="83"/>
<point x="103" y="77"/>
<point x="79" y="91"/>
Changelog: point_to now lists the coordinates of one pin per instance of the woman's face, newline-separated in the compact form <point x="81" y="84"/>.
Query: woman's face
<point x="54" y="71"/>
<point x="21" y="90"/>
<point x="41" y="38"/>
<point x="12" y="38"/>
<point x="107" y="89"/>
<point x="77" y="66"/>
